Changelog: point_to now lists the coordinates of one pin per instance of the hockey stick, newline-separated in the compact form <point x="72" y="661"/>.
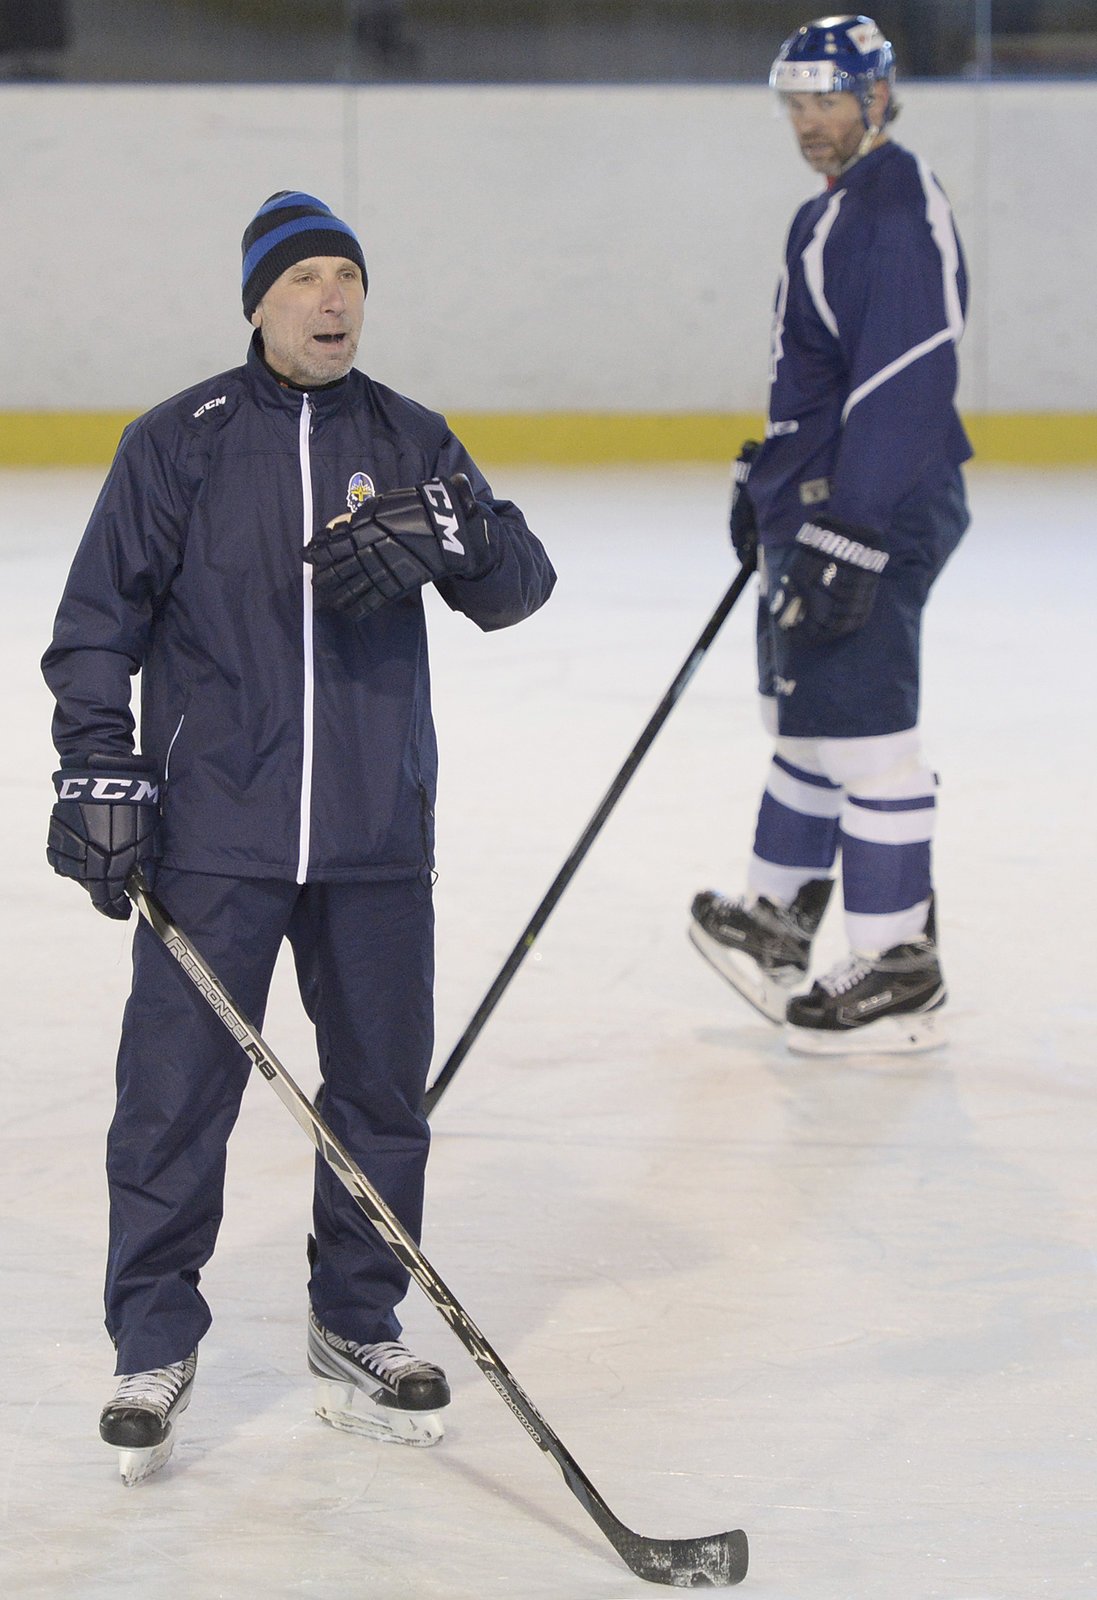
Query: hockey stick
<point x="717" y="1560"/>
<point x="533" y="927"/>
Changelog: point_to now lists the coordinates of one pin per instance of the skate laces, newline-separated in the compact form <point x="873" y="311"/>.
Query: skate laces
<point x="152" y="1391"/>
<point x="780" y="921"/>
<point x="389" y="1359"/>
<point x="766" y="915"/>
<point x="845" y="975"/>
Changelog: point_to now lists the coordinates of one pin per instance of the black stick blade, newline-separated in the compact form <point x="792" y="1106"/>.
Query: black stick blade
<point x="713" y="1563"/>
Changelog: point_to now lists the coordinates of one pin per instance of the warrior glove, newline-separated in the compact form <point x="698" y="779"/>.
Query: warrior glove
<point x="397" y="542"/>
<point x="831" y="580"/>
<point x="742" y="523"/>
<point x="104" y="825"/>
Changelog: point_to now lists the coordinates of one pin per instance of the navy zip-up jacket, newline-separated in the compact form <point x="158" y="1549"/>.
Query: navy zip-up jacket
<point x="869" y="310"/>
<point x="290" y="742"/>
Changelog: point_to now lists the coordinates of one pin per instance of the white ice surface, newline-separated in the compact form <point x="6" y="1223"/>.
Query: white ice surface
<point x="852" y="1309"/>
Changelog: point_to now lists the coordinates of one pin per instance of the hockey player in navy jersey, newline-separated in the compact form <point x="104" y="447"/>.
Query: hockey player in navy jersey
<point x="258" y="553"/>
<point x="852" y="504"/>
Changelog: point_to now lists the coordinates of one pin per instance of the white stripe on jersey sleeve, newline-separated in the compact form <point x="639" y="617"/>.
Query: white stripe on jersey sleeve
<point x="813" y="263"/>
<point x="939" y="217"/>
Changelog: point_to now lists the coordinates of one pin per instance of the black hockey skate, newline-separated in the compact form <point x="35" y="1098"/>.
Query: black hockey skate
<point x="888" y="1004"/>
<point x="762" y="949"/>
<point x="140" y="1420"/>
<point x="380" y="1390"/>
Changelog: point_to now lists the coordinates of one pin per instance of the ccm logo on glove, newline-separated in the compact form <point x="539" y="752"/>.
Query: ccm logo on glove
<point x="134" y="791"/>
<point x="104" y="825"/>
<point x="446" y="521"/>
<point x="398" y="541"/>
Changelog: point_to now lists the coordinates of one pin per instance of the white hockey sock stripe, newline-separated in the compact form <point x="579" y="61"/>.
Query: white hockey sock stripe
<point x="872" y="934"/>
<point x="803" y="791"/>
<point x="796" y="838"/>
<point x="898" y="822"/>
<point x="886" y="870"/>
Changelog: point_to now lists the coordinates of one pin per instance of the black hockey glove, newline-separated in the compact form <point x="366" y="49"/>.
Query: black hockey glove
<point x="830" y="584"/>
<point x="104" y="824"/>
<point x="396" y="543"/>
<point x="741" y="520"/>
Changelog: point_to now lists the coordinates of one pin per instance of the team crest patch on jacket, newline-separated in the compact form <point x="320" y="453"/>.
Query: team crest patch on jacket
<point x="359" y="489"/>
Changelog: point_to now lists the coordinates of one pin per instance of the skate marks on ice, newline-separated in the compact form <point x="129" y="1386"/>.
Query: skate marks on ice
<point x="852" y="1306"/>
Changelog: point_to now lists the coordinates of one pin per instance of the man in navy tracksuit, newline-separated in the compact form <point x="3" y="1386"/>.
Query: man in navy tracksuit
<point x="285" y="789"/>
<point x="852" y="504"/>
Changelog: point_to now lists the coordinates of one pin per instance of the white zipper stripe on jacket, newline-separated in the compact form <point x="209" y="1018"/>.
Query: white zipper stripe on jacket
<point x="171" y="746"/>
<point x="306" y="636"/>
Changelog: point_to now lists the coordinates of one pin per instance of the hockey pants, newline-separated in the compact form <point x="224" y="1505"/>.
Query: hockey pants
<point x="364" y="960"/>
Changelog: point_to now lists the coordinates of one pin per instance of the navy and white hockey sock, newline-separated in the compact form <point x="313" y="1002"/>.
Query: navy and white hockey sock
<point x="886" y="878"/>
<point x="796" y="838"/>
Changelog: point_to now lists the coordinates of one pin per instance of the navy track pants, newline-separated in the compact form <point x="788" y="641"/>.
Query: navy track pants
<point x="364" y="954"/>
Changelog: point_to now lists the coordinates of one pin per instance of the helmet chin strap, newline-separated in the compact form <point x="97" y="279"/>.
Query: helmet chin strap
<point x="868" y="138"/>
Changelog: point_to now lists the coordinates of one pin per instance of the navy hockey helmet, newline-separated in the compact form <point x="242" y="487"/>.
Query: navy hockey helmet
<point x="834" y="55"/>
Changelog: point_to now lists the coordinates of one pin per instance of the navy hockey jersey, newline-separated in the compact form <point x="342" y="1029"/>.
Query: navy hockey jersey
<point x="869" y="309"/>
<point x="291" y="743"/>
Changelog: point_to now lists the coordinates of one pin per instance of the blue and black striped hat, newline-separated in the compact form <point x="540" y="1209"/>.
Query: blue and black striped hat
<point x="287" y="228"/>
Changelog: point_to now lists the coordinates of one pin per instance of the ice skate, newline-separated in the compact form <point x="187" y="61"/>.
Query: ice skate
<point x="888" y="1004"/>
<point x="379" y="1390"/>
<point x="140" y="1420"/>
<point x="762" y="949"/>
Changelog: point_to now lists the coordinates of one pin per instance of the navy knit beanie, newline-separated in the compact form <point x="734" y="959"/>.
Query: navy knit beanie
<point x="287" y="228"/>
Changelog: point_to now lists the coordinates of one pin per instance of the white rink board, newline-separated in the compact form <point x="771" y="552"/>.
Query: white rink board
<point x="529" y="249"/>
